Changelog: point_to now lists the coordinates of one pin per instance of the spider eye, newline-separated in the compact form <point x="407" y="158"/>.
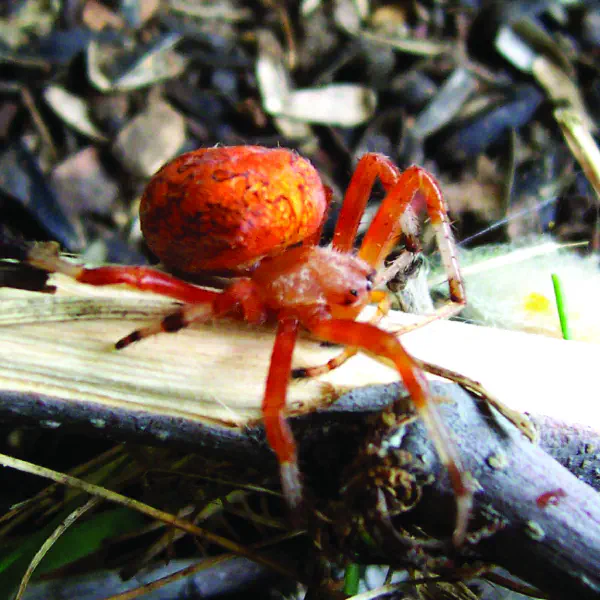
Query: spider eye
<point x="369" y="285"/>
<point x="354" y="293"/>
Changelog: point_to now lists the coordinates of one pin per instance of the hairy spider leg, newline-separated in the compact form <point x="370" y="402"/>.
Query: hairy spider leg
<point x="46" y="256"/>
<point x="384" y="230"/>
<point x="369" y="167"/>
<point x="376" y="245"/>
<point x="199" y="304"/>
<point x="383" y="307"/>
<point x="277" y="429"/>
<point x="241" y="298"/>
<point x="401" y="188"/>
<point x="369" y="337"/>
<point x="385" y="227"/>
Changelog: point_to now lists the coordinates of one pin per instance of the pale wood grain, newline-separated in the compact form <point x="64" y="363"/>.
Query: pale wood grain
<point x="61" y="345"/>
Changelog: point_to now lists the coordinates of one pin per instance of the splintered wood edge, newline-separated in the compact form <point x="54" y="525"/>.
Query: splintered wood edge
<point x="60" y="347"/>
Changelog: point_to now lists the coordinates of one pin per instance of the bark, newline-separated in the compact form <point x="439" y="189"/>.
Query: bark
<point x="531" y="515"/>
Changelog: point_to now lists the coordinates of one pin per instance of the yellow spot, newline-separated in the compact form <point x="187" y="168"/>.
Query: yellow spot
<point x="537" y="303"/>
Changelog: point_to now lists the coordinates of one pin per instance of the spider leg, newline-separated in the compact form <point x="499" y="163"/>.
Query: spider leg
<point x="401" y="188"/>
<point x="383" y="307"/>
<point x="241" y="296"/>
<point x="381" y="343"/>
<point x="200" y="304"/>
<point x="386" y="226"/>
<point x="369" y="167"/>
<point x="394" y="215"/>
<point x="46" y="256"/>
<point x="519" y="420"/>
<point x="277" y="429"/>
<point x="418" y="179"/>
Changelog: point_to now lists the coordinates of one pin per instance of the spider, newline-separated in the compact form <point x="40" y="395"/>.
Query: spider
<point x="257" y="213"/>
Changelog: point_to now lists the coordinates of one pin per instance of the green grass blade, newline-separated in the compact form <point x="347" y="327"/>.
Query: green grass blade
<point x="352" y="579"/>
<point x="561" y="306"/>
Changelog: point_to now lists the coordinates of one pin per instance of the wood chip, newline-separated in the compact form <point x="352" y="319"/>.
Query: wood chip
<point x="73" y="110"/>
<point x="150" y="139"/>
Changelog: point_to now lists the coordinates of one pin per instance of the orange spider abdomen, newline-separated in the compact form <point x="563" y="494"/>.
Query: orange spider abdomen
<point x="228" y="207"/>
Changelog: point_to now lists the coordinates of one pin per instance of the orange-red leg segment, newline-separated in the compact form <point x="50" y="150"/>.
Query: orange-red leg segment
<point x="369" y="167"/>
<point x="240" y="298"/>
<point x="45" y="256"/>
<point x="277" y="429"/>
<point x="385" y="228"/>
<point x="383" y="307"/>
<point x="372" y="339"/>
<point x="401" y="188"/>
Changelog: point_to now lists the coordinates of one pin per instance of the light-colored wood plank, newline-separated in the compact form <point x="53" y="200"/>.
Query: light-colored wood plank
<point x="61" y="345"/>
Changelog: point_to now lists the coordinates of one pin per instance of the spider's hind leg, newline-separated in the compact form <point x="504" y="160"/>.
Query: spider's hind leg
<point x="173" y="322"/>
<point x="240" y="299"/>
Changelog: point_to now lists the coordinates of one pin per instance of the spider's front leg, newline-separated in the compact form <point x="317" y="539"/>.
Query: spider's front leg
<point x="387" y="224"/>
<point x="393" y="218"/>
<point x="382" y="343"/>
